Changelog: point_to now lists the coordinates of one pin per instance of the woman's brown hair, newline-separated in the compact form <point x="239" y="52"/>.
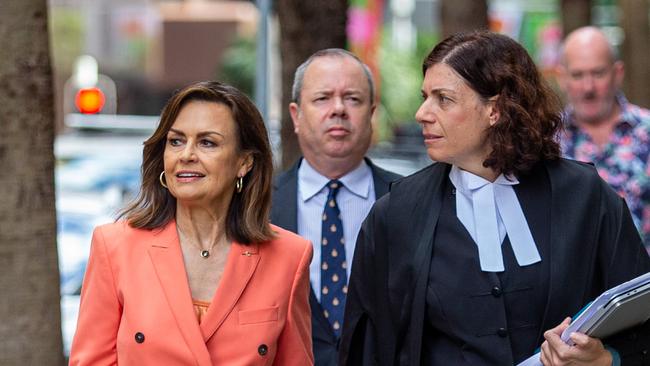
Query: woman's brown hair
<point x="530" y="112"/>
<point x="247" y="219"/>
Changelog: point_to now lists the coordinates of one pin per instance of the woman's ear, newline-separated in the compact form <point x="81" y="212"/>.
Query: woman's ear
<point x="493" y="112"/>
<point x="246" y="164"/>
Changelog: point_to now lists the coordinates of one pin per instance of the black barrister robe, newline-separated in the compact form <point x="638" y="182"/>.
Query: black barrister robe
<point x="593" y="246"/>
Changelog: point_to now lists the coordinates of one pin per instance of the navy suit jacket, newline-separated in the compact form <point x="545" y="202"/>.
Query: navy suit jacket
<point x="284" y="213"/>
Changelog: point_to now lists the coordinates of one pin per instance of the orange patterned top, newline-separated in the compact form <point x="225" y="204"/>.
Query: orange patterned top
<point x="200" y="308"/>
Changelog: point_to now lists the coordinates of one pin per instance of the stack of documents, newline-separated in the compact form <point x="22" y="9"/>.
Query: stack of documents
<point x="616" y="309"/>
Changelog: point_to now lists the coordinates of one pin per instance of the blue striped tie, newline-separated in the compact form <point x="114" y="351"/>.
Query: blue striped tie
<point x="333" y="273"/>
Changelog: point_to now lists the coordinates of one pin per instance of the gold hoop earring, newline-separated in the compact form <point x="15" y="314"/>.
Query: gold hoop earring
<point x="239" y="184"/>
<point x="161" y="178"/>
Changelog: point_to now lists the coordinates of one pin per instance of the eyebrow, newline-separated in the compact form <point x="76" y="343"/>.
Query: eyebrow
<point x="201" y="134"/>
<point x="352" y="91"/>
<point x="345" y="91"/>
<point x="438" y="91"/>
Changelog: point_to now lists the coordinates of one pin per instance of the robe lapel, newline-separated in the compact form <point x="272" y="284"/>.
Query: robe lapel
<point x="414" y="213"/>
<point x="557" y="258"/>
<point x="241" y="264"/>
<point x="416" y="210"/>
<point x="566" y="255"/>
<point x="167" y="259"/>
<point x="417" y="245"/>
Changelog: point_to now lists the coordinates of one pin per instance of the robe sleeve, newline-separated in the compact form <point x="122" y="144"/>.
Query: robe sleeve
<point x="623" y="256"/>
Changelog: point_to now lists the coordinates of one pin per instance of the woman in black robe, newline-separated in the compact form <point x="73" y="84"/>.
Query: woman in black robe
<point x="479" y="258"/>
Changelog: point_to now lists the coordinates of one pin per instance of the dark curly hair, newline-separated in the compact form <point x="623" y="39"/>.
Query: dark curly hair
<point x="530" y="112"/>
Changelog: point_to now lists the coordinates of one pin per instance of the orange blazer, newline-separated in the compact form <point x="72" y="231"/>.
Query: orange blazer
<point x="136" y="307"/>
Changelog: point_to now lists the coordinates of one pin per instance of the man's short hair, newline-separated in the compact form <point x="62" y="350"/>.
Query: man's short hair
<point x="299" y="76"/>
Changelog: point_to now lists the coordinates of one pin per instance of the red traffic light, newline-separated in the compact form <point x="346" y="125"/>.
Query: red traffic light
<point x="89" y="100"/>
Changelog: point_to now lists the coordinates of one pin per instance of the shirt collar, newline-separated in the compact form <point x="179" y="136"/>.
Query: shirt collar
<point x="466" y="181"/>
<point x="357" y="181"/>
<point x="627" y="113"/>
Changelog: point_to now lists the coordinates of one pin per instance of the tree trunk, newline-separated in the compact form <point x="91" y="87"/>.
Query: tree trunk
<point x="30" y="330"/>
<point x="635" y="50"/>
<point x="462" y="16"/>
<point x="305" y="27"/>
<point x="575" y="14"/>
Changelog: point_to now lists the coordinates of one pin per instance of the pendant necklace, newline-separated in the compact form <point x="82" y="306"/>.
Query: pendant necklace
<point x="205" y="253"/>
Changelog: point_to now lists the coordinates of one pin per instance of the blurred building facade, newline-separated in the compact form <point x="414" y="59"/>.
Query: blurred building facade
<point x="149" y="48"/>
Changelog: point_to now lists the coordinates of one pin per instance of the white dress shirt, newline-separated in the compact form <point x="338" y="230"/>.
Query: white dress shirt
<point x="355" y="199"/>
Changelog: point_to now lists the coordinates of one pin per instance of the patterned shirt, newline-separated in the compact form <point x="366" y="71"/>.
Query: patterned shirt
<point x="623" y="162"/>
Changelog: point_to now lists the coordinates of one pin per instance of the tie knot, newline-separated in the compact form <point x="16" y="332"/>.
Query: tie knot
<point x="333" y="186"/>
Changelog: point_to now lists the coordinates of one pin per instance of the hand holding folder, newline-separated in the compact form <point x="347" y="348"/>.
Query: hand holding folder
<point x="615" y="310"/>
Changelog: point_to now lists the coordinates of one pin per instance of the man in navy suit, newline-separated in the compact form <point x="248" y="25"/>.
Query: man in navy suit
<point x="333" y="102"/>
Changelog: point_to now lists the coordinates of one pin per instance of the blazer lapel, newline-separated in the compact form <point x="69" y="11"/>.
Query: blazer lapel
<point x="241" y="264"/>
<point x="167" y="259"/>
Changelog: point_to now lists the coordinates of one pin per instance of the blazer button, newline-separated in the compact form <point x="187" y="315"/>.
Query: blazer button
<point x="496" y="291"/>
<point x="502" y="332"/>
<point x="263" y="349"/>
<point x="139" y="337"/>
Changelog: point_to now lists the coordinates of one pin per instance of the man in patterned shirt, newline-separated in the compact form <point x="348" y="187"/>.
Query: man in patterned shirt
<point x="601" y="125"/>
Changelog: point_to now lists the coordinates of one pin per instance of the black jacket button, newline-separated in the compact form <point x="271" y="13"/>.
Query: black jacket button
<point x="139" y="337"/>
<point x="496" y="291"/>
<point x="263" y="349"/>
<point x="502" y="332"/>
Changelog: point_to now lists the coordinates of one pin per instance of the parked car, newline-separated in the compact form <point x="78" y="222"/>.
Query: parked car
<point x="113" y="178"/>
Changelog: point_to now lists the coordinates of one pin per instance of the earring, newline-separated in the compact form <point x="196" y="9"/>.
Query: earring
<point x="161" y="178"/>
<point x="239" y="184"/>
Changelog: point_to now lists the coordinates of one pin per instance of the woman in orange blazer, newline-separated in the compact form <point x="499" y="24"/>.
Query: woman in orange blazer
<point x="194" y="274"/>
